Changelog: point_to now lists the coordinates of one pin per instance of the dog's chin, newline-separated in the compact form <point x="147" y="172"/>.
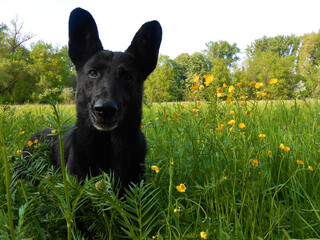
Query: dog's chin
<point x="104" y="126"/>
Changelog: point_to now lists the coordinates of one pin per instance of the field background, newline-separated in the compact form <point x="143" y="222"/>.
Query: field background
<point x="239" y="184"/>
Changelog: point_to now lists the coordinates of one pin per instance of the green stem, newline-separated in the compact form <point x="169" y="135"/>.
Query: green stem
<point x="8" y="181"/>
<point x="64" y="173"/>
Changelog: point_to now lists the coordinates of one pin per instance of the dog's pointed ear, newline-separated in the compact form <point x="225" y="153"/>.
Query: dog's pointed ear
<point x="145" y="46"/>
<point x="83" y="37"/>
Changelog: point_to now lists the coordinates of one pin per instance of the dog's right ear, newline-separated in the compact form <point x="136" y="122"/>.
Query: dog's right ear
<point x="83" y="37"/>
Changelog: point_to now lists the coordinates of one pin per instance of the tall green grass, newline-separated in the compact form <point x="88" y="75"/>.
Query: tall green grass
<point x="238" y="185"/>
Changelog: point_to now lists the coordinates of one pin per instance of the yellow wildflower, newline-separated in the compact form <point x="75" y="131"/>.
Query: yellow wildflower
<point x="224" y="85"/>
<point x="270" y="153"/>
<point x="181" y="187"/>
<point x="203" y="235"/>
<point x="21" y="133"/>
<point x="300" y="162"/>
<point x="262" y="135"/>
<point x="232" y="112"/>
<point x="310" y="168"/>
<point x="198" y="103"/>
<point x="251" y="83"/>
<point x="231" y="122"/>
<point x="201" y="88"/>
<point x="195" y="116"/>
<point x="196" y="79"/>
<point x="195" y="87"/>
<point x="207" y="125"/>
<point x="36" y="141"/>
<point x="30" y="143"/>
<point x="231" y="89"/>
<point x="155" y="168"/>
<point x="19" y="152"/>
<point x="208" y="79"/>
<point x="53" y="131"/>
<point x="225" y="177"/>
<point x="181" y="107"/>
<point x="242" y="125"/>
<point x="258" y="85"/>
<point x="176" y="116"/>
<point x="220" y="127"/>
<point x="176" y="210"/>
<point x="156" y="118"/>
<point x="273" y="81"/>
<point x="255" y="162"/>
<point x="284" y="148"/>
<point x="193" y="110"/>
<point x="239" y="84"/>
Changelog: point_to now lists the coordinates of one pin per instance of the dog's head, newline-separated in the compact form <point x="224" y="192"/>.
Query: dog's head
<point x="109" y="84"/>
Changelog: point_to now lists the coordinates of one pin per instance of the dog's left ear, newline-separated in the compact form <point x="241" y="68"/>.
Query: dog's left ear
<point x="83" y="37"/>
<point x="145" y="46"/>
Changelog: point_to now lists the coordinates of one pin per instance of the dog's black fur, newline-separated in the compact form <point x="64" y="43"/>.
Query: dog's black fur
<point x="109" y="102"/>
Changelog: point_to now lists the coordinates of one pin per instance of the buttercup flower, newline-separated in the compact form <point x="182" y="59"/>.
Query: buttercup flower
<point x="198" y="103"/>
<point x="181" y="187"/>
<point x="273" y="81"/>
<point x="193" y="110"/>
<point x="310" y="168"/>
<point x="242" y="125"/>
<point x="208" y="79"/>
<point x="284" y="148"/>
<point x="231" y="89"/>
<point x="239" y="84"/>
<point x="270" y="153"/>
<point x="19" y="152"/>
<point x="203" y="235"/>
<point x="255" y="162"/>
<point x="196" y="79"/>
<point x="201" y="88"/>
<point x="21" y="133"/>
<point x="195" y="87"/>
<point x="36" y="141"/>
<point x="300" y="162"/>
<point x="262" y="135"/>
<point x="155" y="168"/>
<point x="53" y="131"/>
<point x="30" y="143"/>
<point x="231" y="122"/>
<point x="232" y="112"/>
<point x="220" y="127"/>
<point x="258" y="85"/>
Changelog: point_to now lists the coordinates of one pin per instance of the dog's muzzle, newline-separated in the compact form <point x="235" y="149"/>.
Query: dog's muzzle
<point x="104" y="116"/>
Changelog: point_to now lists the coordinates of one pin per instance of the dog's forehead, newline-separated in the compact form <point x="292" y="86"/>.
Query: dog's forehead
<point x="111" y="59"/>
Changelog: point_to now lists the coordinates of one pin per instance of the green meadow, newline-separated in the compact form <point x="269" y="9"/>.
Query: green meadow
<point x="216" y="168"/>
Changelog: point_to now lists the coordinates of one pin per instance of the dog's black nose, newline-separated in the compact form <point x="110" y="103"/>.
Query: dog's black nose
<point x="105" y="109"/>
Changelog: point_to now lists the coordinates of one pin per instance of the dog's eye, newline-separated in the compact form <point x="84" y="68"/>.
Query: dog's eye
<point x="93" y="74"/>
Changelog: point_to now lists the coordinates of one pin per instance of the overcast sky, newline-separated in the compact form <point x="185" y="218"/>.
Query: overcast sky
<point x="187" y="25"/>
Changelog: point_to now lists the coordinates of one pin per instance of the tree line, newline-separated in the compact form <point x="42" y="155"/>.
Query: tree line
<point x="44" y="71"/>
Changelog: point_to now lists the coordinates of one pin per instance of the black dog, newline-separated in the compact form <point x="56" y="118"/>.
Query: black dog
<point x="109" y="102"/>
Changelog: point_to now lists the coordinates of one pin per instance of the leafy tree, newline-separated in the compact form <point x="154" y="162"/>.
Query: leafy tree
<point x="267" y="65"/>
<point x="53" y="70"/>
<point x="162" y="84"/>
<point x="224" y="51"/>
<point x="282" y="45"/>
<point x="309" y="62"/>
